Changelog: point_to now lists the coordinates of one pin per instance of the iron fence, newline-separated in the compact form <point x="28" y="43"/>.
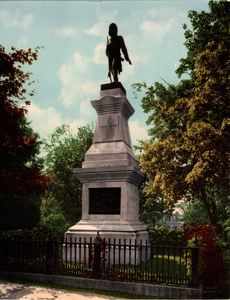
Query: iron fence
<point x="119" y="260"/>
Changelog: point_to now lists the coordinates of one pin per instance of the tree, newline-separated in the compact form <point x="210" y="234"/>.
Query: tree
<point x="204" y="27"/>
<point x="52" y="218"/>
<point x="21" y="179"/>
<point x="151" y="212"/>
<point x="188" y="154"/>
<point x="194" y="213"/>
<point x="65" y="151"/>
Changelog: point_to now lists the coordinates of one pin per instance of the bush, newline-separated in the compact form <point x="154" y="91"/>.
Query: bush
<point x="35" y="233"/>
<point x="211" y="265"/>
<point x="166" y="235"/>
<point x="52" y="217"/>
<point x="19" y="212"/>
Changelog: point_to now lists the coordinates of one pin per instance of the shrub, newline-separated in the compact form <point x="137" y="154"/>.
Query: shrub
<point x="166" y="235"/>
<point x="211" y="266"/>
<point x="19" y="212"/>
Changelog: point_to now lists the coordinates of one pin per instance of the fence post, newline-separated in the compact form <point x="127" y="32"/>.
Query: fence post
<point x="195" y="264"/>
<point x="49" y="259"/>
<point x="97" y="257"/>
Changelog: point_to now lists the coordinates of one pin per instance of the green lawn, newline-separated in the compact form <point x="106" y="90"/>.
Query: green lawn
<point x="160" y="268"/>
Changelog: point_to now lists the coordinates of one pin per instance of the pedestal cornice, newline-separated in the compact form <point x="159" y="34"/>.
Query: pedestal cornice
<point x="122" y="173"/>
<point x="111" y="105"/>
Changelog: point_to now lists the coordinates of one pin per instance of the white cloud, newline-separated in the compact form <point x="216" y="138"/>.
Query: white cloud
<point x="137" y="132"/>
<point x="100" y="29"/>
<point x="136" y="54"/>
<point x="90" y="87"/>
<point x="78" y="91"/>
<point x="157" y="30"/>
<point x="65" y="31"/>
<point x="74" y="125"/>
<point x="23" y="43"/>
<point x="16" y="19"/>
<point x="166" y="13"/>
<point x="81" y="62"/>
<point x="76" y="87"/>
<point x="65" y="73"/>
<point x="68" y="72"/>
<point x="44" y="120"/>
<point x="86" y="109"/>
<point x="99" y="54"/>
<point x="127" y="72"/>
<point x="69" y="93"/>
<point x="95" y="30"/>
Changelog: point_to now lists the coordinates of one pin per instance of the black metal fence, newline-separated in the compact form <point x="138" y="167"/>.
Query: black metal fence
<point x="124" y="260"/>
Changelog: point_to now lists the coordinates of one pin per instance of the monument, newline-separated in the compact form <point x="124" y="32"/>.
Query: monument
<point x="110" y="174"/>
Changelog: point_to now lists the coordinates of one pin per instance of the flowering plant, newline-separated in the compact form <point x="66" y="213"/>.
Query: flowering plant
<point x="210" y="264"/>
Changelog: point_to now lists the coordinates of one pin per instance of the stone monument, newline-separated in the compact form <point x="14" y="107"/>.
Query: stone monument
<point x="110" y="174"/>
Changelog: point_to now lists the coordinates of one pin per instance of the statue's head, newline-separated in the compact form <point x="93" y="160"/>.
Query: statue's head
<point x="113" y="29"/>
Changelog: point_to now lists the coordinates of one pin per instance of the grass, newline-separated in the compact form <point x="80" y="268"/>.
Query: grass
<point x="158" y="269"/>
<point x="162" y="269"/>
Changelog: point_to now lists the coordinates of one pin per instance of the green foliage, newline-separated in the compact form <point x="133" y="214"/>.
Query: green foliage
<point x="52" y="217"/>
<point x="64" y="152"/>
<point x="158" y="101"/>
<point x="19" y="212"/>
<point x="187" y="156"/>
<point x="63" y="142"/>
<point x="194" y="213"/>
<point x="151" y="211"/>
<point x="19" y="171"/>
<point x="204" y="27"/>
<point x="21" y="178"/>
<point x="211" y="264"/>
<point x="27" y="234"/>
<point x="164" y="235"/>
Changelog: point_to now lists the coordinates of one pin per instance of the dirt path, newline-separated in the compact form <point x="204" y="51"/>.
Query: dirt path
<point x="10" y="290"/>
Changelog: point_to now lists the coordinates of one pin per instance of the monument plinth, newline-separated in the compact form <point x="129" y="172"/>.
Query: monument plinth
<point x="110" y="174"/>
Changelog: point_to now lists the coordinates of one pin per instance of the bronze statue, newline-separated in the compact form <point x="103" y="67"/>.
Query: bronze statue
<point x="114" y="45"/>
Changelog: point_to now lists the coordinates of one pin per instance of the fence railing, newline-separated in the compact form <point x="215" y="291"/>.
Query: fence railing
<point x="124" y="260"/>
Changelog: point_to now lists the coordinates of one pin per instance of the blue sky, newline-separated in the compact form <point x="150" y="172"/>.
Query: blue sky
<point x="72" y="65"/>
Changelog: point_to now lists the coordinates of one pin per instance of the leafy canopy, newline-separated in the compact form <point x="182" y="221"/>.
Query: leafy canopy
<point x="66" y="151"/>
<point x="19" y="169"/>
<point x="188" y="154"/>
<point x="21" y="178"/>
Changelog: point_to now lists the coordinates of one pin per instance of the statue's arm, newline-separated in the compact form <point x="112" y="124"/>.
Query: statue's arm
<point x="124" y="50"/>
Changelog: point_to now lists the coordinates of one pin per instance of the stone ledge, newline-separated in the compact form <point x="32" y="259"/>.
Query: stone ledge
<point x="147" y="289"/>
<point x="124" y="227"/>
<point x="122" y="173"/>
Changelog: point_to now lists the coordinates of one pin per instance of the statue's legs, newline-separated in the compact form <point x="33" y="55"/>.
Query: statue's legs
<point x="115" y="76"/>
<point x="113" y="68"/>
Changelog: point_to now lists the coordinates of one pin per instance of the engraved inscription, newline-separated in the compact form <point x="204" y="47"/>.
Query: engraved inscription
<point x="107" y="126"/>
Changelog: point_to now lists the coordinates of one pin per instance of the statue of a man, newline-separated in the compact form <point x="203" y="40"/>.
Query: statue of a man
<point x="114" y="45"/>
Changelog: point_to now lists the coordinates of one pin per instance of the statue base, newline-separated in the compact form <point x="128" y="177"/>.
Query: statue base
<point x="110" y="177"/>
<point x="112" y="86"/>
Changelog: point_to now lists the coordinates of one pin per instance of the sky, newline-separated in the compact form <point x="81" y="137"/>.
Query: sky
<point x="72" y="64"/>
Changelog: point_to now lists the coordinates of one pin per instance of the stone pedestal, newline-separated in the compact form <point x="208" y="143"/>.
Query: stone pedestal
<point x="110" y="174"/>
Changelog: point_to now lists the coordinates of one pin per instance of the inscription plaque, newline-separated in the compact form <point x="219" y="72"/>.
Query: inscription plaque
<point x="104" y="201"/>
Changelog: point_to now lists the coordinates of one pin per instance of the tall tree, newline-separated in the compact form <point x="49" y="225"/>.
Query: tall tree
<point x="204" y="27"/>
<point x="20" y="173"/>
<point x="65" y="151"/>
<point x="188" y="155"/>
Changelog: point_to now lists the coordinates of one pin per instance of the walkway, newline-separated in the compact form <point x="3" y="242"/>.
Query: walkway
<point x="10" y="290"/>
